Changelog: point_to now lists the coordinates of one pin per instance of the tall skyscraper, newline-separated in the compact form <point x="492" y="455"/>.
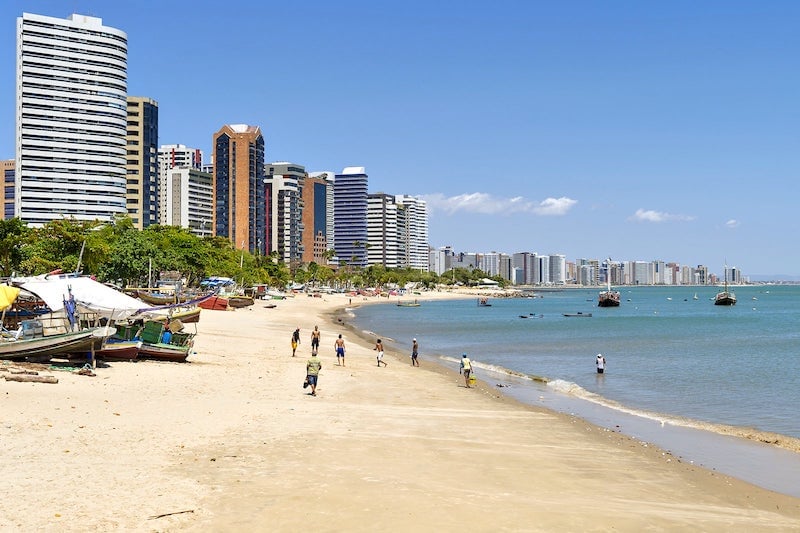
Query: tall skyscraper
<point x="142" y="161"/>
<point x="188" y="200"/>
<point x="383" y="232"/>
<point x="7" y="170"/>
<point x="240" y="202"/>
<point x="71" y="119"/>
<point x="330" y="229"/>
<point x="284" y="182"/>
<point x="314" y="194"/>
<point x="350" y="216"/>
<point x="413" y="226"/>
<point x="193" y="185"/>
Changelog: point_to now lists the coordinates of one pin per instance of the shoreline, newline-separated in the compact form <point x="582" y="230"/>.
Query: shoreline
<point x="782" y="452"/>
<point x="231" y="442"/>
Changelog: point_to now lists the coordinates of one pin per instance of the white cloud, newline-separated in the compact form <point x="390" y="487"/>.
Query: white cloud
<point x="481" y="202"/>
<point x="649" y="215"/>
<point x="732" y="223"/>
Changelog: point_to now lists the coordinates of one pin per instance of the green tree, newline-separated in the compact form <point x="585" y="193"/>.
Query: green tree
<point x="13" y="237"/>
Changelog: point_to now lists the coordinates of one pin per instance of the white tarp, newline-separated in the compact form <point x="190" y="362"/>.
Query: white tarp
<point x="89" y="296"/>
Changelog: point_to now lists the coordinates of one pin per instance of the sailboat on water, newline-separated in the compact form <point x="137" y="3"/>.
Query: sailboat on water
<point x="725" y="297"/>
<point x="608" y="298"/>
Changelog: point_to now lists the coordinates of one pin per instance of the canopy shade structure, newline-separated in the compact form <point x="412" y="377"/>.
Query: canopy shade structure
<point x="88" y="294"/>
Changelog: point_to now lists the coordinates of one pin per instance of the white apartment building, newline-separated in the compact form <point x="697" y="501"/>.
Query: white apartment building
<point x="413" y="218"/>
<point x="177" y="156"/>
<point x="284" y="228"/>
<point x="188" y="200"/>
<point x="384" y="245"/>
<point x="71" y="91"/>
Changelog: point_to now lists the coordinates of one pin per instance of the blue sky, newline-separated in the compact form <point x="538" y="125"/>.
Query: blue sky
<point x="635" y="130"/>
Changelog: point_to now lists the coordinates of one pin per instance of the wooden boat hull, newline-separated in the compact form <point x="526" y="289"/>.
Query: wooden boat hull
<point x="187" y="316"/>
<point x="725" y="298"/>
<point x="156" y="299"/>
<point x="608" y="299"/>
<point x="214" y="303"/>
<point x="164" y="352"/>
<point x="40" y="348"/>
<point x="237" y="302"/>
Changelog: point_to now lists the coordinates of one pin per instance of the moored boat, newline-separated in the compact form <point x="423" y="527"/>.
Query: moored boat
<point x="725" y="297"/>
<point x="608" y="298"/>
<point x="408" y="303"/>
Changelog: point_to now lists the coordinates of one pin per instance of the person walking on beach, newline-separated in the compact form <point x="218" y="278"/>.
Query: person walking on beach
<point x="601" y="363"/>
<point x="313" y="366"/>
<point x="414" y="353"/>
<point x="295" y="341"/>
<point x="466" y="368"/>
<point x="339" y="347"/>
<point x="379" y="348"/>
<point x="315" y="340"/>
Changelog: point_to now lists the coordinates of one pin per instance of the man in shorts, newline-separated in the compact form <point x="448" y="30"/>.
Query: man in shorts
<point x="414" y="353"/>
<point x="339" y="347"/>
<point x="379" y="348"/>
<point x="315" y="340"/>
<point x="466" y="368"/>
<point x="313" y="366"/>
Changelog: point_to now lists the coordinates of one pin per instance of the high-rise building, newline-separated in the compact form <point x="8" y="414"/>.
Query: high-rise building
<point x="284" y="182"/>
<point x="141" y="162"/>
<point x="314" y="195"/>
<point x="383" y="232"/>
<point x="71" y="111"/>
<point x="188" y="200"/>
<point x="350" y="216"/>
<point x="178" y="156"/>
<point x="413" y="227"/>
<point x="7" y="168"/>
<point x="240" y="202"/>
<point x="330" y="230"/>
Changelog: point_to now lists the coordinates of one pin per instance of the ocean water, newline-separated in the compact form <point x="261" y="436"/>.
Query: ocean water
<point x="669" y="357"/>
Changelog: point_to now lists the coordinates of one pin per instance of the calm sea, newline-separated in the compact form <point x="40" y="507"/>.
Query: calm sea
<point x="669" y="356"/>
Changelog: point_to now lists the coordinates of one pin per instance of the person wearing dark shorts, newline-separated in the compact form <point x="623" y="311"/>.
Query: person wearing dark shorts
<point x="414" y="353"/>
<point x="313" y="366"/>
<point x="315" y="340"/>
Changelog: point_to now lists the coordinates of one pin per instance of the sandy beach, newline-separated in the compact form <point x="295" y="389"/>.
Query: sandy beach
<point x="232" y="442"/>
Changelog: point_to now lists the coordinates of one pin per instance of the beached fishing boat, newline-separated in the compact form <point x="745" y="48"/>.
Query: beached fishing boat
<point x="37" y="346"/>
<point x="161" y="343"/>
<point x="239" y="301"/>
<point x="215" y="303"/>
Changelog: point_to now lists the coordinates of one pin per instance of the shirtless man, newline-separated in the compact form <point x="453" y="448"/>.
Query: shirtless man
<point x="379" y="348"/>
<point x="315" y="340"/>
<point x="339" y="347"/>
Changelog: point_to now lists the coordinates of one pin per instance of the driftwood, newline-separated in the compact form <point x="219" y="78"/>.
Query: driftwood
<point x="31" y="378"/>
<point x="22" y="371"/>
<point x="154" y="517"/>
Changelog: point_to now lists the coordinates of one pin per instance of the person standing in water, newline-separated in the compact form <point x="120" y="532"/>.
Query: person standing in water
<point x="466" y="368"/>
<point x="600" y="362"/>
<point x="379" y="348"/>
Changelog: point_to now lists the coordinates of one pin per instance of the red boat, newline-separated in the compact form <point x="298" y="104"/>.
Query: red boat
<point x="217" y="303"/>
